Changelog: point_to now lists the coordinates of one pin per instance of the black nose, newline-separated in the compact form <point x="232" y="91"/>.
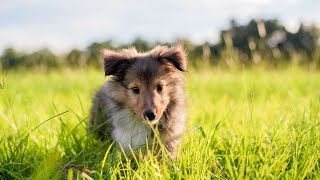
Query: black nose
<point x="149" y="115"/>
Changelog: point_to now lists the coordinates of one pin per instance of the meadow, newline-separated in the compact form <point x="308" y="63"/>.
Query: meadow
<point x="242" y="124"/>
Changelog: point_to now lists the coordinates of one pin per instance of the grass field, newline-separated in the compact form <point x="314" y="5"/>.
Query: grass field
<point x="243" y="124"/>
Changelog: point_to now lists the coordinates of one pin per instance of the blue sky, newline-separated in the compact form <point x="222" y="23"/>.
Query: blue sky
<point x="63" y="24"/>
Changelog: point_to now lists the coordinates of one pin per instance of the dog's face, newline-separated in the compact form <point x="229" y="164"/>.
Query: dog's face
<point x="147" y="82"/>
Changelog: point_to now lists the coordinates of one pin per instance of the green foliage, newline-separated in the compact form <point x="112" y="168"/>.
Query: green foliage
<point x="268" y="39"/>
<point x="43" y="58"/>
<point x="76" y="58"/>
<point x="10" y="59"/>
<point x="240" y="125"/>
<point x="257" y="43"/>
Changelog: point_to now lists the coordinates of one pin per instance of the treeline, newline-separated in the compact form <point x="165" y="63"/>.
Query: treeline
<point x="260" y="42"/>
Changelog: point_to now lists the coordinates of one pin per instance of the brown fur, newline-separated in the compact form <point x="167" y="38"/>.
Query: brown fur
<point x="157" y="75"/>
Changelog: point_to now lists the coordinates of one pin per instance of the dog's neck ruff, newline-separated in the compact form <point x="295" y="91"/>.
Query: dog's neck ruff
<point x="129" y="131"/>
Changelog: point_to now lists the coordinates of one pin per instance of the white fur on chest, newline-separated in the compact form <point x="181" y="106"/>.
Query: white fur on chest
<point x="129" y="131"/>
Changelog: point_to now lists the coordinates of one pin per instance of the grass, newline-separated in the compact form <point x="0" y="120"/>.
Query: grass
<point x="241" y="125"/>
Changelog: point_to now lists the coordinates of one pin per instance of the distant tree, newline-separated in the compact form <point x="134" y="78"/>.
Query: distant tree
<point x="264" y="36"/>
<point x="10" y="59"/>
<point x="304" y="40"/>
<point x="240" y="44"/>
<point x="94" y="56"/>
<point x="140" y="44"/>
<point x="43" y="58"/>
<point x="76" y="58"/>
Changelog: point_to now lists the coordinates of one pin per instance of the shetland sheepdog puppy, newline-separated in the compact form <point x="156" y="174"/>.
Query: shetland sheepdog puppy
<point x="145" y="90"/>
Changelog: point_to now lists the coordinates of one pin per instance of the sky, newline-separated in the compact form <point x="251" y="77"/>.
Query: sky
<point x="60" y="25"/>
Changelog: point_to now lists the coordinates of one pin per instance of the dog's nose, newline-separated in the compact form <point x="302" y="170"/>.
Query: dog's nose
<point x="149" y="115"/>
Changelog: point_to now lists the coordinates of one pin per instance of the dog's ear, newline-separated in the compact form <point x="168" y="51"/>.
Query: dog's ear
<point x="117" y="62"/>
<point x="175" y="55"/>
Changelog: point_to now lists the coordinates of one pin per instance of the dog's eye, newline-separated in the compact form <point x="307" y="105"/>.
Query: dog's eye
<point x="135" y="90"/>
<point x="159" y="88"/>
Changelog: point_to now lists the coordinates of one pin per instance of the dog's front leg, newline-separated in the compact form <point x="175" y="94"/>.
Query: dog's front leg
<point x="173" y="145"/>
<point x="171" y="142"/>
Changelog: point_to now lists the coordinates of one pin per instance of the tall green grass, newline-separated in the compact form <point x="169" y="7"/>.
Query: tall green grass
<point x="242" y="124"/>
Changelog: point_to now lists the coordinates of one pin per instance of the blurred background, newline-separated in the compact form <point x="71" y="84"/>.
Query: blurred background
<point x="59" y="34"/>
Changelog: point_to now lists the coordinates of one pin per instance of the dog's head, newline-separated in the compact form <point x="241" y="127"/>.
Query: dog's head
<point x="146" y="82"/>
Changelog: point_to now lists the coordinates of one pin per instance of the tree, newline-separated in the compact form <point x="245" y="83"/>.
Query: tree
<point x="140" y="44"/>
<point x="266" y="35"/>
<point x="76" y="58"/>
<point x="10" y="59"/>
<point x="43" y="58"/>
<point x="94" y="56"/>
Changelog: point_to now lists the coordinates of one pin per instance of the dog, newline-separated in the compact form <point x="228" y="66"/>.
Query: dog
<point x="145" y="90"/>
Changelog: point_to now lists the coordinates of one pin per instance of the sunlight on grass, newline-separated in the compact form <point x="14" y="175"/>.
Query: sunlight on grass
<point x="242" y="124"/>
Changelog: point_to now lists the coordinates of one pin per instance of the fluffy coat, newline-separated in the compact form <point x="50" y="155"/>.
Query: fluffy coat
<point x="145" y="89"/>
